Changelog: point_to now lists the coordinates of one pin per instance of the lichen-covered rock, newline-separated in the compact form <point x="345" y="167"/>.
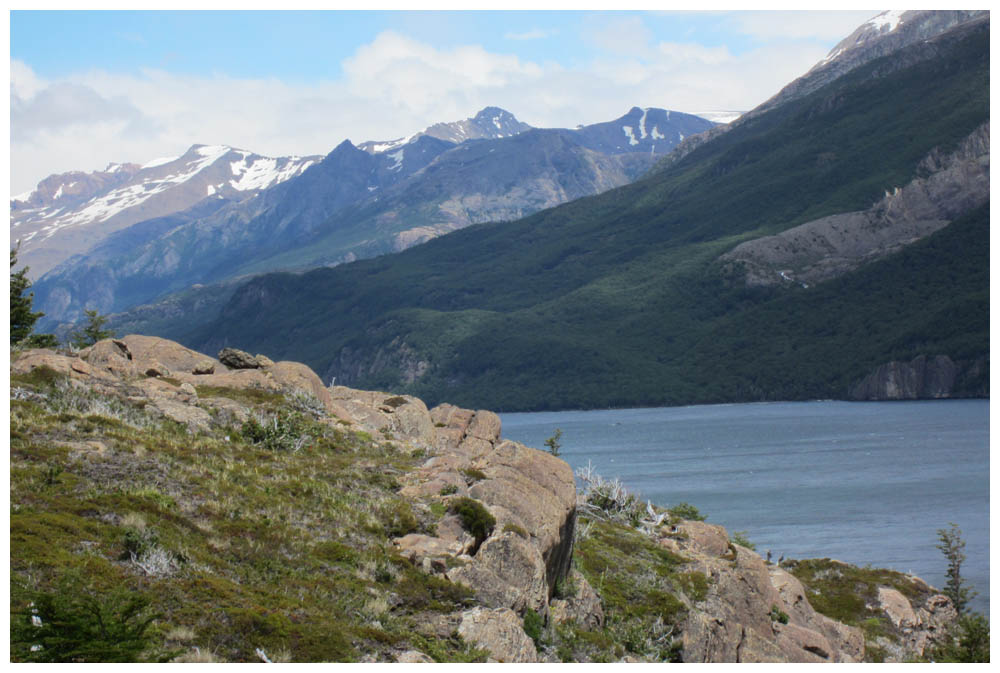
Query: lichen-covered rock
<point x="297" y="376"/>
<point x="170" y="354"/>
<point x="234" y="358"/>
<point x="847" y="642"/>
<point x="75" y="368"/>
<point x="702" y="537"/>
<point x="194" y="418"/>
<point x="583" y="606"/>
<point x="500" y="633"/>
<point x="156" y="369"/>
<point x="540" y="490"/>
<point x="111" y="355"/>
<point x="507" y="571"/>
<point x="484" y="425"/>
<point x="413" y="657"/>
<point x="417" y="547"/>
<point x="899" y="610"/>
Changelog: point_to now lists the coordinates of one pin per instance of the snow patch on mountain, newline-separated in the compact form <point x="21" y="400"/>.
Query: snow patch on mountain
<point x="398" y="158"/>
<point x="159" y="162"/>
<point x="630" y="135"/>
<point x="887" y="21"/>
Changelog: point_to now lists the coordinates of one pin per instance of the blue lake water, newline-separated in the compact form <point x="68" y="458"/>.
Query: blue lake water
<point x="860" y="482"/>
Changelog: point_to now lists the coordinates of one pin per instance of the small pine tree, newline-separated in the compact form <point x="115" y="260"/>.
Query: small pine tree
<point x="553" y="442"/>
<point x="951" y="546"/>
<point x="22" y="318"/>
<point x="91" y="332"/>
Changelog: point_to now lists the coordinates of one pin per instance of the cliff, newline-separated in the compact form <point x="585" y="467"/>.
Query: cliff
<point x="236" y="509"/>
<point x="925" y="378"/>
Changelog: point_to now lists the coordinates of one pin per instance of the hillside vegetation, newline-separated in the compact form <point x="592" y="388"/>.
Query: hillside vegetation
<point x="197" y="513"/>
<point x="618" y="299"/>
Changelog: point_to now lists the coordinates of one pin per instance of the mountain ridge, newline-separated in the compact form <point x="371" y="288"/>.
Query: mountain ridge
<point x="624" y="292"/>
<point x="357" y="203"/>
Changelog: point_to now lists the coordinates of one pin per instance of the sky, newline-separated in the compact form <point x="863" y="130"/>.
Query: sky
<point x="89" y="88"/>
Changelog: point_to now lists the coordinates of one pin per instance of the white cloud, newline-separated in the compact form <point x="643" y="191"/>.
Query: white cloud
<point x="533" y="34"/>
<point x="800" y="25"/>
<point x="391" y="87"/>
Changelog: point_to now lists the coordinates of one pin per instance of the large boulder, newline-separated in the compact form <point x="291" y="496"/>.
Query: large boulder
<point x="500" y="633"/>
<point x="539" y="489"/>
<point x="113" y="356"/>
<point x="73" y="367"/>
<point x="297" y="376"/>
<point x="507" y="571"/>
<point x="234" y="358"/>
<point x="147" y="350"/>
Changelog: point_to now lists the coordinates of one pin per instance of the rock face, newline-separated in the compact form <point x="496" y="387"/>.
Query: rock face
<point x="498" y="631"/>
<point x="738" y="621"/>
<point x="531" y="495"/>
<point x="923" y="378"/>
<point x="950" y="186"/>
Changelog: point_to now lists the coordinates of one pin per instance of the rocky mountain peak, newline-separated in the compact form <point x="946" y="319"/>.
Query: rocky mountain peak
<point x="880" y="36"/>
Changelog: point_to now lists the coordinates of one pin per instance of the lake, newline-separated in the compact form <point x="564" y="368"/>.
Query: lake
<point x="862" y="482"/>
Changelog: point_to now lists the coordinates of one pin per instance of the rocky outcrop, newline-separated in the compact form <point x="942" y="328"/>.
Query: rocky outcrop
<point x="500" y="633"/>
<point x="749" y="610"/>
<point x="237" y="359"/>
<point x="924" y="378"/>
<point x="950" y="185"/>
<point x="531" y="495"/>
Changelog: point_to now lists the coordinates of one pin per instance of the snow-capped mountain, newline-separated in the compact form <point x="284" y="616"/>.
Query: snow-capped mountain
<point x="881" y="35"/>
<point x="68" y="213"/>
<point x="647" y="130"/>
<point x="489" y="123"/>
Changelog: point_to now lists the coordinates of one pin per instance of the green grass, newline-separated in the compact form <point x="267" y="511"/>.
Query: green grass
<point x="286" y="551"/>
<point x="849" y="594"/>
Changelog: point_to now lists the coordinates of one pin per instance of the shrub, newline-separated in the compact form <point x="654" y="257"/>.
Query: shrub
<point x="553" y="442"/>
<point x="475" y="518"/>
<point x="608" y="499"/>
<point x="683" y="510"/>
<point x="969" y="644"/>
<point x="514" y="528"/>
<point x="778" y="615"/>
<point x="472" y="475"/>
<point x="74" y="623"/>
<point x="533" y="627"/>
<point x="740" y="538"/>
<point x="281" y="432"/>
<point x="450" y="489"/>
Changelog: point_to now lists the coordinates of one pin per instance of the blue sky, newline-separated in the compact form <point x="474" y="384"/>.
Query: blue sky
<point x="311" y="45"/>
<point x="89" y="88"/>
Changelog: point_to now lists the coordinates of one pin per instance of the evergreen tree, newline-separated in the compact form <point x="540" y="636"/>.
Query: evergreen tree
<point x="951" y="546"/>
<point x="22" y="318"/>
<point x="91" y="332"/>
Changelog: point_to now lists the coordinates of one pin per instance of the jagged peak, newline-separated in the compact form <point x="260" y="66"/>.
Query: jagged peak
<point x="491" y="111"/>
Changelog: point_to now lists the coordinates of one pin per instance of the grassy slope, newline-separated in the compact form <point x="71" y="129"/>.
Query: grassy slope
<point x="614" y="300"/>
<point x="286" y="551"/>
<point x="231" y="545"/>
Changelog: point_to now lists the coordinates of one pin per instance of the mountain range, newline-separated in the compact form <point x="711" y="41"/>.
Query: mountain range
<point x="828" y="243"/>
<point x="356" y="202"/>
<point x="642" y="295"/>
